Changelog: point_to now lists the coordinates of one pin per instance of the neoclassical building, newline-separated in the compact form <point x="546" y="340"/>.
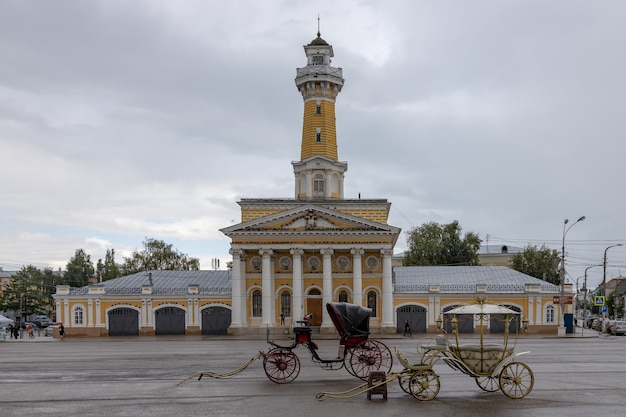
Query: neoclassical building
<point x="292" y="256"/>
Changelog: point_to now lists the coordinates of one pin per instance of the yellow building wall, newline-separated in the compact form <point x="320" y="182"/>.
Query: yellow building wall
<point x="91" y="327"/>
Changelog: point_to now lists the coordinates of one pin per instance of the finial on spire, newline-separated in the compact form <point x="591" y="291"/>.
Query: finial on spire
<point x="318" y="26"/>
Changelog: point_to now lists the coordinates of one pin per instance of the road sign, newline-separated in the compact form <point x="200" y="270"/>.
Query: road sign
<point x="563" y="299"/>
<point x="604" y="309"/>
<point x="599" y="300"/>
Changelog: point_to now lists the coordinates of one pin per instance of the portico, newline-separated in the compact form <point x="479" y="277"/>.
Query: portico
<point x="296" y="261"/>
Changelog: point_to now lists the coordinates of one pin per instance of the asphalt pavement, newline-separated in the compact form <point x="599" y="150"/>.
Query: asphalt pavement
<point x="579" y="375"/>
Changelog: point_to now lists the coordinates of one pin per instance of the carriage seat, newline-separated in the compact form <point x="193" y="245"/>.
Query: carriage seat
<point x="405" y="361"/>
<point x="303" y="334"/>
<point x="482" y="361"/>
<point x="487" y="347"/>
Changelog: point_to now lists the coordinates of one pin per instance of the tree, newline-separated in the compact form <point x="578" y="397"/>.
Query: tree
<point x="79" y="270"/>
<point x="437" y="244"/>
<point x="108" y="269"/>
<point x="542" y="263"/>
<point x="158" y="255"/>
<point x="26" y="293"/>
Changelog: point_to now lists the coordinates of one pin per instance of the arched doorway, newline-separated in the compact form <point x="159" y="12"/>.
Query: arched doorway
<point x="169" y="320"/>
<point x="123" y="322"/>
<point x="314" y="306"/>
<point x="466" y="321"/>
<point x="496" y="321"/>
<point x="416" y="316"/>
<point x="215" y="320"/>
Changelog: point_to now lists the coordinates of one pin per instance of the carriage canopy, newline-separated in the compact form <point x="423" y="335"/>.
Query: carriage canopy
<point x="350" y="319"/>
<point x="481" y="308"/>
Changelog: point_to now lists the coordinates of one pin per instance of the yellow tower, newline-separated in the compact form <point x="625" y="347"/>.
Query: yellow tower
<point x="319" y="174"/>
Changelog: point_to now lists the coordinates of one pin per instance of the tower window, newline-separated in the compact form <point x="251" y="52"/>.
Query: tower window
<point x="318" y="109"/>
<point x="318" y="135"/>
<point x="318" y="185"/>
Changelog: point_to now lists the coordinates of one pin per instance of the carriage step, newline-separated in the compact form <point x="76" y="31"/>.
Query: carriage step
<point x="376" y="384"/>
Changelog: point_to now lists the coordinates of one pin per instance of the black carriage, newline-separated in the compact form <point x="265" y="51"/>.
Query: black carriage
<point x="357" y="353"/>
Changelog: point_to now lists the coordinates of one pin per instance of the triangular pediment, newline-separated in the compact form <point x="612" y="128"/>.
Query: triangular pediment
<point x="309" y="218"/>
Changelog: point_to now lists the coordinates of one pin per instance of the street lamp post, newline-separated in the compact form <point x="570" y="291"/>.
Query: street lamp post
<point x="582" y="315"/>
<point x="604" y="321"/>
<point x="585" y="283"/>
<point x="561" y="330"/>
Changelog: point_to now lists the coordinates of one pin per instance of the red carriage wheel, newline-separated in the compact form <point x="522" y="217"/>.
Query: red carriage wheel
<point x="281" y="366"/>
<point x="369" y="356"/>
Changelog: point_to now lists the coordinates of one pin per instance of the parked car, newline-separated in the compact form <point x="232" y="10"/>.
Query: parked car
<point x="619" y="327"/>
<point x="48" y="330"/>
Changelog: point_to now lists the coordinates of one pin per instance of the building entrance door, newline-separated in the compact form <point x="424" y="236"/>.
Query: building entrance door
<point x="314" y="306"/>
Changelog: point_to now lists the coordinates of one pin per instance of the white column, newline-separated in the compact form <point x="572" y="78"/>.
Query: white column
<point x="98" y="315"/>
<point x="357" y="279"/>
<point x="236" y="289"/>
<point x="150" y="312"/>
<point x="266" y="285"/>
<point x="143" y="316"/>
<point x="328" y="183"/>
<point x="309" y="186"/>
<point x="68" y="320"/>
<point x="190" y="315"/>
<point x="387" y="289"/>
<point x="90" y="315"/>
<point x="298" y="284"/>
<point x="327" y="282"/>
<point x="539" y="310"/>
<point x="244" y="290"/>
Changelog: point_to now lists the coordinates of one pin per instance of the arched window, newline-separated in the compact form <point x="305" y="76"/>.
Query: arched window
<point x="550" y="316"/>
<point x="285" y="303"/>
<point x="372" y="302"/>
<point x="257" y="303"/>
<point x="79" y="316"/>
<point x="343" y="296"/>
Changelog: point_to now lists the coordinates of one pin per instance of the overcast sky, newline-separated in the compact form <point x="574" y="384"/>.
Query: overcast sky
<point x="121" y="120"/>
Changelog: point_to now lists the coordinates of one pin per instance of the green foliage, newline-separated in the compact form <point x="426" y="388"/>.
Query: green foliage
<point x="79" y="269"/>
<point x="108" y="269"/>
<point x="538" y="262"/>
<point x="436" y="244"/>
<point x="28" y="292"/>
<point x="158" y="255"/>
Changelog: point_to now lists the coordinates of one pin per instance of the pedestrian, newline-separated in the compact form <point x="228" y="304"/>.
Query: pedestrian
<point x="61" y="331"/>
<point x="29" y="329"/>
<point x="282" y="318"/>
<point x="407" y="328"/>
<point x="16" y="331"/>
